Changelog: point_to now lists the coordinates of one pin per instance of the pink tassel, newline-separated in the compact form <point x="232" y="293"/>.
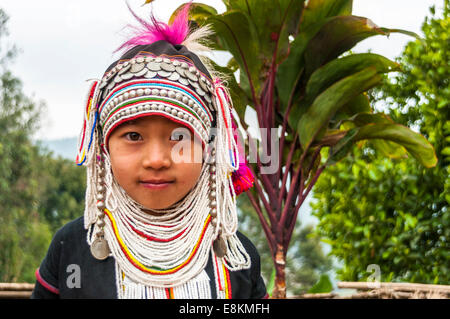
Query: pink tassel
<point x="242" y="178"/>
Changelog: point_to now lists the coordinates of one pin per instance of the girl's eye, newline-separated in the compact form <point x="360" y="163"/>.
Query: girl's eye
<point x="133" y="136"/>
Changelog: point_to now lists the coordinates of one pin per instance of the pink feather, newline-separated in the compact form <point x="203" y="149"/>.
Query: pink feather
<point x="154" y="30"/>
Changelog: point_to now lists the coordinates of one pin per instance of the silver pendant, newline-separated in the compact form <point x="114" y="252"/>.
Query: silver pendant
<point x="100" y="249"/>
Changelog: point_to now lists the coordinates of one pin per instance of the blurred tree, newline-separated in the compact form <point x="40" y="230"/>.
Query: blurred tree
<point x="395" y="213"/>
<point x="38" y="192"/>
<point x="64" y="186"/>
<point x="23" y="237"/>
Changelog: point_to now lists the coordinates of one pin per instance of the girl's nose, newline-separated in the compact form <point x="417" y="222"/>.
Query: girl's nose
<point x="156" y="156"/>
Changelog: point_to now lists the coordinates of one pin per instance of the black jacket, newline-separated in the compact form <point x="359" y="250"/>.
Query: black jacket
<point x="69" y="252"/>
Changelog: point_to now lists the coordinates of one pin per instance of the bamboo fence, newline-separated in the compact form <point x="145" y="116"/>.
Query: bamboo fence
<point x="365" y="290"/>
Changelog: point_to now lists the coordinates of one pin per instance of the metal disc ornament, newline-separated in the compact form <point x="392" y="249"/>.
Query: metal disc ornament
<point x="220" y="247"/>
<point x="100" y="249"/>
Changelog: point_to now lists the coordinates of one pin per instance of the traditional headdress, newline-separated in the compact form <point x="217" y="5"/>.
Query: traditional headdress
<point x="163" y="254"/>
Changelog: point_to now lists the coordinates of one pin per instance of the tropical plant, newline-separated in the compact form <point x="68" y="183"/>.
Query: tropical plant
<point x="395" y="213"/>
<point x="293" y="71"/>
<point x="306" y="260"/>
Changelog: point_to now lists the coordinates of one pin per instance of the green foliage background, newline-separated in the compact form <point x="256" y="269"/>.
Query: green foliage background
<point x="394" y="212"/>
<point x="38" y="192"/>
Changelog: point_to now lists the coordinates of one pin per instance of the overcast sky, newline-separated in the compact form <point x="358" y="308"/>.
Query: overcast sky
<point x="64" y="43"/>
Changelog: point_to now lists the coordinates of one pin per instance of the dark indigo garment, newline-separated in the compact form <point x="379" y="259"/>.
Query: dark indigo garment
<point x="69" y="252"/>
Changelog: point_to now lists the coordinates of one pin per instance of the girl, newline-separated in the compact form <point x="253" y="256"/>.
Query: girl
<point x="163" y="173"/>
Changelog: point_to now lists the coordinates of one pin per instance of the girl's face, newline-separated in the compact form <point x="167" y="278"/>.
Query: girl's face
<point x="156" y="161"/>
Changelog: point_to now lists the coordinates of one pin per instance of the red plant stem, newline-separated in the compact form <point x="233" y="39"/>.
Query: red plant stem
<point x="301" y="185"/>
<point x="297" y="207"/>
<point x="286" y="171"/>
<point x="262" y="196"/>
<point x="263" y="221"/>
<point x="291" y="192"/>
<point x="265" y="181"/>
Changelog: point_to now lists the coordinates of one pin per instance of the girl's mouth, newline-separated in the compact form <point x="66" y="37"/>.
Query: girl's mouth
<point x="156" y="184"/>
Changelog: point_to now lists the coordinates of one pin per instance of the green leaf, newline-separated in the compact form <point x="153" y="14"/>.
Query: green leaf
<point x="319" y="10"/>
<point x="415" y="143"/>
<point x="314" y="15"/>
<point x="198" y="12"/>
<point x="337" y="36"/>
<point x="327" y="103"/>
<point x="236" y="34"/>
<point x="359" y="104"/>
<point x="337" y="69"/>
<point x="237" y="94"/>
<point x="342" y="148"/>
<point x="324" y="285"/>
<point x="273" y="22"/>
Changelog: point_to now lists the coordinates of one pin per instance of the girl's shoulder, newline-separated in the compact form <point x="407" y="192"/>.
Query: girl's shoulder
<point x="72" y="228"/>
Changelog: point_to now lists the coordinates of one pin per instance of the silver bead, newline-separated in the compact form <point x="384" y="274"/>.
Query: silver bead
<point x="100" y="197"/>
<point x="213" y="212"/>
<point x="147" y="91"/>
<point x="212" y="194"/>
<point x="163" y="92"/>
<point x="155" y="92"/>
<point x="100" y="223"/>
<point x="212" y="169"/>
<point x="140" y="92"/>
<point x="174" y="112"/>
<point x="213" y="204"/>
<point x="101" y="205"/>
<point x="101" y="172"/>
<point x="132" y="93"/>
